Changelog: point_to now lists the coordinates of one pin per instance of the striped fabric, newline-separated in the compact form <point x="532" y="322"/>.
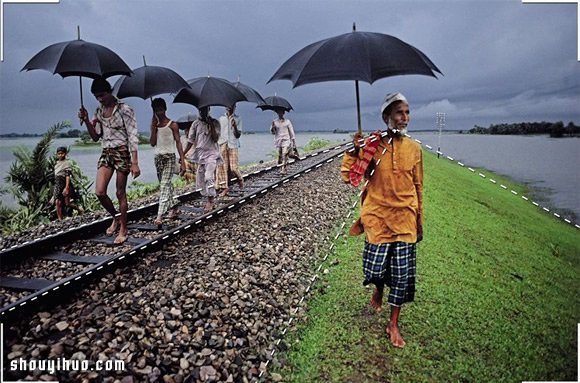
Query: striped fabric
<point x="165" y="165"/>
<point x="231" y="157"/>
<point x="359" y="168"/>
<point x="119" y="129"/>
<point x="393" y="264"/>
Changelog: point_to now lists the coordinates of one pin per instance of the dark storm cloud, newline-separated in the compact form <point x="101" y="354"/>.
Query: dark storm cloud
<point x="503" y="61"/>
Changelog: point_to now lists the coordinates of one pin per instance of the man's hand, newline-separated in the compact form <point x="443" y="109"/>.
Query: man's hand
<point x="181" y="167"/>
<point x="135" y="171"/>
<point x="83" y="114"/>
<point x="357" y="140"/>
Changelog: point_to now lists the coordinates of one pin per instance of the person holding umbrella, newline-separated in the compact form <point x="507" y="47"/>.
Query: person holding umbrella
<point x="115" y="124"/>
<point x="284" y="138"/>
<point x="229" y="142"/>
<point x="203" y="136"/>
<point x="391" y="208"/>
<point x="165" y="138"/>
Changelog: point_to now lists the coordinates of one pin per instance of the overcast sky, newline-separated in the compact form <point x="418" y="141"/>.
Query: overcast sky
<point x="503" y="61"/>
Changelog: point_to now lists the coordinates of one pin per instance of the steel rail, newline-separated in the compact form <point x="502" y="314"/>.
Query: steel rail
<point x="55" y="293"/>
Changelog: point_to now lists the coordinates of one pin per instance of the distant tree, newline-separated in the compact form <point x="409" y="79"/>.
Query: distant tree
<point x="557" y="129"/>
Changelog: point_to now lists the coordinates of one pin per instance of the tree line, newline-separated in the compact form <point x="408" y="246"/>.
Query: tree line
<point x="71" y="133"/>
<point x="554" y="129"/>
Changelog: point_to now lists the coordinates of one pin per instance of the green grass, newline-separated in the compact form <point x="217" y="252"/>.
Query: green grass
<point x="497" y="296"/>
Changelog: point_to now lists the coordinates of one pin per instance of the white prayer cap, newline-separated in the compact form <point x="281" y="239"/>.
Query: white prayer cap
<point x="390" y="98"/>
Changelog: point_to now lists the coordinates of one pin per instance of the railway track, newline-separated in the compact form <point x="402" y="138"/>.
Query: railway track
<point x="70" y="260"/>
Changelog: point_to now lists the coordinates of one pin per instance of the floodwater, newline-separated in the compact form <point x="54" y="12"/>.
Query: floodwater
<point x="548" y="165"/>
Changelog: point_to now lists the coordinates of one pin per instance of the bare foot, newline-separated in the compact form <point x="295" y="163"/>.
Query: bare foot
<point x="112" y="229"/>
<point x="241" y="183"/>
<point x="377" y="300"/>
<point x="174" y="214"/>
<point x="121" y="237"/>
<point x="208" y="207"/>
<point x="158" y="221"/>
<point x="224" y="192"/>
<point x="395" y="336"/>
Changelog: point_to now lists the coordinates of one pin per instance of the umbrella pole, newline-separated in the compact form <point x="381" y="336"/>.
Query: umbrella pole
<point x="358" y="107"/>
<point x="81" y="89"/>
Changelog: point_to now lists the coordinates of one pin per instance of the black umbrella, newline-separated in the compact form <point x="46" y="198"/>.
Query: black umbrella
<point x="207" y="91"/>
<point x="148" y="81"/>
<point x="358" y="56"/>
<point x="251" y="94"/>
<point x="79" y="58"/>
<point x="275" y="102"/>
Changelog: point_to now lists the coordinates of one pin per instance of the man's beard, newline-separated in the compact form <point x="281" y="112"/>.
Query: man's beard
<point x="399" y="132"/>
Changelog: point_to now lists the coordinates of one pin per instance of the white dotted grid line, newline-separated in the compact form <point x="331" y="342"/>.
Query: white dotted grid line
<point x="152" y="242"/>
<point x="154" y="203"/>
<point x="294" y="311"/>
<point x="481" y="175"/>
<point x="343" y="225"/>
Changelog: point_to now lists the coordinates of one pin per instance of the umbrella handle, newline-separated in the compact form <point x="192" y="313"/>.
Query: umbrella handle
<point x="358" y="107"/>
<point x="81" y="89"/>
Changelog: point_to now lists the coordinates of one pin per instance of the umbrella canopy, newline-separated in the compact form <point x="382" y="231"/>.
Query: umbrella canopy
<point x="208" y="91"/>
<point x="79" y="58"/>
<point x="185" y="121"/>
<point x="148" y="81"/>
<point x="275" y="102"/>
<point x="251" y="94"/>
<point x="358" y="56"/>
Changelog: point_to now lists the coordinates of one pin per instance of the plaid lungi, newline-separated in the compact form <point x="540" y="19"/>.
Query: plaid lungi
<point x="190" y="170"/>
<point x="393" y="264"/>
<point x="165" y="165"/>
<point x="231" y="159"/>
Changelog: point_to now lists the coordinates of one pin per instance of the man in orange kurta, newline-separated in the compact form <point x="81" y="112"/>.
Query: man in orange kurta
<point x="392" y="208"/>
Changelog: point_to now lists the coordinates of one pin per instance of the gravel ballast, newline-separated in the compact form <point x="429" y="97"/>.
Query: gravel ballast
<point x="209" y="306"/>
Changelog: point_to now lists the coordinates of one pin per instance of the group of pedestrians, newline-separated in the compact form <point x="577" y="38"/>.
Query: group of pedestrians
<point x="391" y="203"/>
<point x="208" y="153"/>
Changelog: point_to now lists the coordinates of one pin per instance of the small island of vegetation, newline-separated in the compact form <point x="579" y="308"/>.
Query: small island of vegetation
<point x="556" y="129"/>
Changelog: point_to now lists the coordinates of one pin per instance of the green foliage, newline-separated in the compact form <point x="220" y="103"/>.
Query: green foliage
<point x="86" y="140"/>
<point x="143" y="139"/>
<point x="30" y="181"/>
<point x="24" y="218"/>
<point x="72" y="133"/>
<point x="84" y="187"/>
<point x="556" y="129"/>
<point x="497" y="296"/>
<point x="316" y="143"/>
<point x="30" y="175"/>
<point x="139" y="190"/>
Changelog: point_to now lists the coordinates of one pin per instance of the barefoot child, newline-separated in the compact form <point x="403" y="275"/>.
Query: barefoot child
<point x="63" y="188"/>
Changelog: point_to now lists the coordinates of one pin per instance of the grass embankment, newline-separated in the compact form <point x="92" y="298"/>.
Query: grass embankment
<point x="497" y="296"/>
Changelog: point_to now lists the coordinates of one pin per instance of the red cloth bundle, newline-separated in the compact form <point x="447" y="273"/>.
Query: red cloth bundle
<point x="358" y="169"/>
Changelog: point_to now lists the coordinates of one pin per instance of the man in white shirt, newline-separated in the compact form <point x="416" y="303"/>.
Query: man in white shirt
<point x="284" y="138"/>
<point x="229" y="142"/>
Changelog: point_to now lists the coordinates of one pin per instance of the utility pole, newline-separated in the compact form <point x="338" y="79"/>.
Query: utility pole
<point x="440" y="125"/>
